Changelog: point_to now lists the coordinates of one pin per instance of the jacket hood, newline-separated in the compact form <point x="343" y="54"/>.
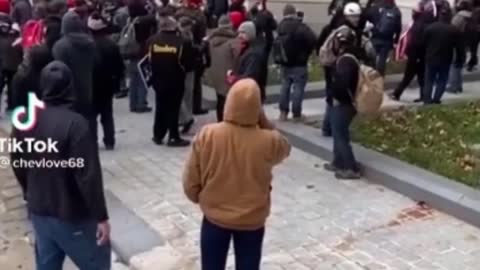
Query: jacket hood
<point x="243" y="103"/>
<point x="72" y="23"/>
<point x="221" y="35"/>
<point x="56" y="82"/>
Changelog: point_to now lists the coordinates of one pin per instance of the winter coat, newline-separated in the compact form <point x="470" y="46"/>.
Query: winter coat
<point x="21" y="11"/>
<point x="265" y="25"/>
<point x="199" y="28"/>
<point x="27" y="78"/>
<point x="108" y="72"/>
<point x="345" y="80"/>
<point x="253" y="63"/>
<point x="13" y="55"/>
<point x="65" y="193"/>
<point x="223" y="58"/>
<point x="77" y="50"/>
<point x="301" y="40"/>
<point x="217" y="7"/>
<point x="441" y="41"/>
<point x="229" y="170"/>
<point x="145" y="24"/>
<point x="374" y="15"/>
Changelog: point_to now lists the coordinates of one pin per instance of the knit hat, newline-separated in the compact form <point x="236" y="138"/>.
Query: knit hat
<point x="224" y="21"/>
<point x="167" y="24"/>
<point x="248" y="28"/>
<point x="236" y="18"/>
<point x="289" y="10"/>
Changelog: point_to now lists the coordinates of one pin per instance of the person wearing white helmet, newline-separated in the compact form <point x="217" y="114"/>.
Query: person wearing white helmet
<point x="352" y="12"/>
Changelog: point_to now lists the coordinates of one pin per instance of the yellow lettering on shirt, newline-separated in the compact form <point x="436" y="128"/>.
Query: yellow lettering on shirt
<point x="164" y="49"/>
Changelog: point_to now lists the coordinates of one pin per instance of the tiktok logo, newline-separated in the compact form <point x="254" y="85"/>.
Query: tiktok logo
<point x="24" y="119"/>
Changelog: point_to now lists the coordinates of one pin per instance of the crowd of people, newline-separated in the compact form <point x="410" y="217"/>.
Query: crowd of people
<point x="77" y="56"/>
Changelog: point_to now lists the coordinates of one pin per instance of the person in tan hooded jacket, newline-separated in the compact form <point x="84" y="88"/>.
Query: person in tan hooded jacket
<point x="229" y="173"/>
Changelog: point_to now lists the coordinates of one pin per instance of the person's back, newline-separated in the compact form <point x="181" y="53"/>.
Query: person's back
<point x="229" y="172"/>
<point x="223" y="58"/>
<point x="387" y="21"/>
<point x="77" y="50"/>
<point x="71" y="193"/>
<point x="300" y="40"/>
<point x="441" y="39"/>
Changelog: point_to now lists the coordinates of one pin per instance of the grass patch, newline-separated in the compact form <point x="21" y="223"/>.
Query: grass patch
<point x="436" y="138"/>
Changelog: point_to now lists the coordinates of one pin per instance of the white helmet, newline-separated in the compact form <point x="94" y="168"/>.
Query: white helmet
<point x="352" y="9"/>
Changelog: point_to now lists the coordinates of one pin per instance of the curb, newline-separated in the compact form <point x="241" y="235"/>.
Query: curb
<point x="442" y="193"/>
<point x="317" y="89"/>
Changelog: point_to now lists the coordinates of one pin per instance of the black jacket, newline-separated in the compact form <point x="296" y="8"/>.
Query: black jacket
<point x="441" y="41"/>
<point x="300" y="41"/>
<point x="338" y="20"/>
<point x="416" y="47"/>
<point x="109" y="70"/>
<point x="77" y="50"/>
<point x="265" y="25"/>
<point x="345" y="80"/>
<point x="199" y="28"/>
<point x="27" y="78"/>
<point x="145" y="25"/>
<point x="71" y="194"/>
<point x="21" y="11"/>
<point x="169" y="54"/>
<point x="217" y="7"/>
<point x="252" y="64"/>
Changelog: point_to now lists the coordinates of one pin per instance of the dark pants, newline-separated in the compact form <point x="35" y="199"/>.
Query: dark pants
<point x="436" y="76"/>
<point x="294" y="80"/>
<point x="326" y="126"/>
<point x="473" y="48"/>
<point x="414" y="67"/>
<point x="138" y="90"/>
<point x="382" y="52"/>
<point x="197" y="92"/>
<point x="167" y="107"/>
<point x="6" y="80"/>
<point x="220" y="107"/>
<point x="341" y="117"/>
<point x="105" y="112"/>
<point x="56" y="239"/>
<point x="215" y="243"/>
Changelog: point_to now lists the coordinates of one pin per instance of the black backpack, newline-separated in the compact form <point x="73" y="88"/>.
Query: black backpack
<point x="388" y="22"/>
<point x="282" y="46"/>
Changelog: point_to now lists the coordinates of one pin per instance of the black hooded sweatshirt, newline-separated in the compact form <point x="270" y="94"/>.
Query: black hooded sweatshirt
<point x="27" y="79"/>
<point x="70" y="194"/>
<point x="77" y="50"/>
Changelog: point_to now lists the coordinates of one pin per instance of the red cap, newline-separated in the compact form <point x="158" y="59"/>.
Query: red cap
<point x="236" y="18"/>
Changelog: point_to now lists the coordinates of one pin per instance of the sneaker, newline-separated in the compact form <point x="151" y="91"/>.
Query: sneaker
<point x="326" y="133"/>
<point x="200" y="112"/>
<point x="347" y="175"/>
<point x="301" y="119"/>
<point x="109" y="147"/>
<point x="330" y="167"/>
<point x="392" y="96"/>
<point x="121" y="94"/>
<point x="188" y="126"/>
<point x="157" y="141"/>
<point x="142" y="110"/>
<point x="283" y="117"/>
<point x="418" y="100"/>
<point x="178" y="143"/>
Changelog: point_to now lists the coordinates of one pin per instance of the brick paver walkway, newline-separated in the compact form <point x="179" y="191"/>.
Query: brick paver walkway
<point x="317" y="222"/>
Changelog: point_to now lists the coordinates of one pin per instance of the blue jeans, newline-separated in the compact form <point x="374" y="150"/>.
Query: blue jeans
<point x="215" y="242"/>
<point x="382" y="51"/>
<point x="435" y="76"/>
<point x="294" y="80"/>
<point x="55" y="239"/>
<point x="341" y="117"/>
<point x="455" y="79"/>
<point x="138" y="90"/>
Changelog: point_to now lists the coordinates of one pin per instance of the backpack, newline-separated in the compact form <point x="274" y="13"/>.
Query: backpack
<point x="33" y="33"/>
<point x="281" y="47"/>
<point x="326" y="54"/>
<point x="370" y="89"/>
<point x="388" y="22"/>
<point x="129" y="47"/>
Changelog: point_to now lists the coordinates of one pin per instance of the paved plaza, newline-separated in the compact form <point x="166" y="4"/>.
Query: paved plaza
<point x="317" y="222"/>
